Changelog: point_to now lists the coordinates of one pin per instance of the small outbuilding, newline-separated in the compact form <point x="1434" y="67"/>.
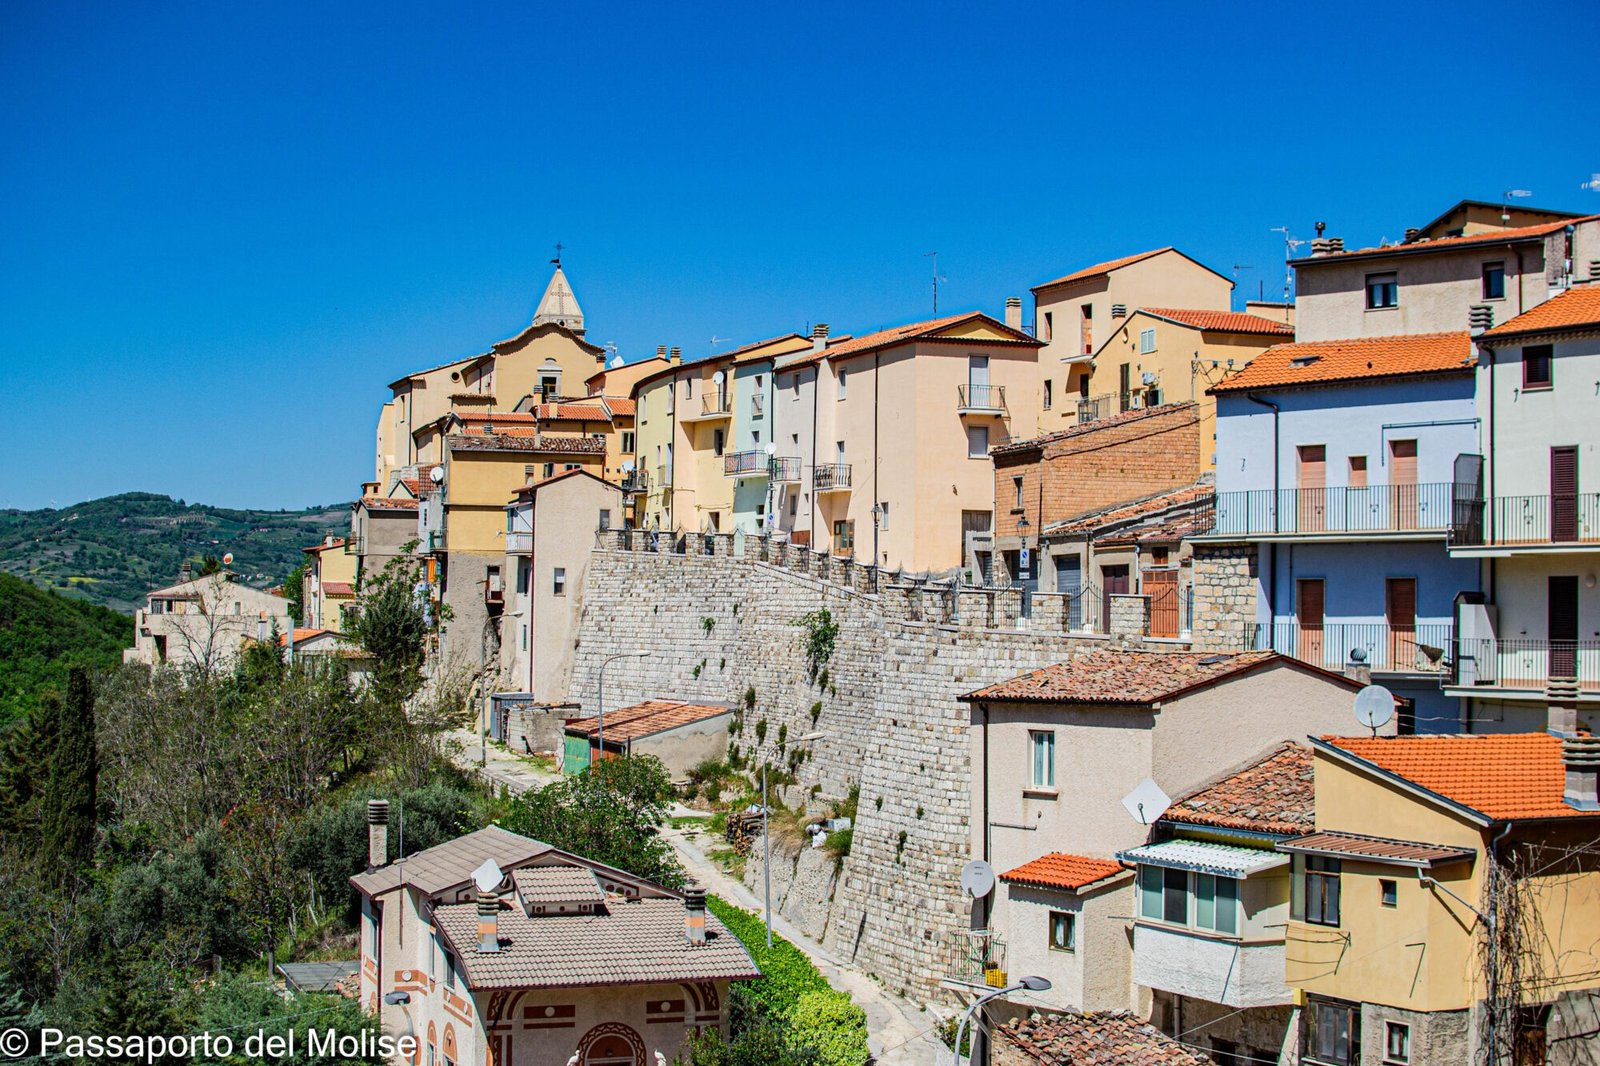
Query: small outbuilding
<point x="682" y="735"/>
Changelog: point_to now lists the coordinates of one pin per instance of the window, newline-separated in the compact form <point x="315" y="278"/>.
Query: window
<point x="1383" y="291"/>
<point x="572" y="466"/>
<point x="1335" y="1036"/>
<point x="1047" y="393"/>
<point x="628" y="441"/>
<point x="1043" y="744"/>
<point x="559" y="584"/>
<point x="1319" y="889"/>
<point x="977" y="442"/>
<point x="842" y="380"/>
<point x="1494" y="281"/>
<point x="1147" y="341"/>
<point x="549" y="470"/>
<point x="844" y="537"/>
<point x="1358" y="471"/>
<point x="1387" y="892"/>
<point x="1536" y="367"/>
<point x="883" y="514"/>
<point x="794" y="505"/>
<point x="1016" y="488"/>
<point x="1396" y="1042"/>
<point x="1049" y="326"/>
<point x="1198" y="900"/>
<point x="1063" y="931"/>
<point x="605" y="519"/>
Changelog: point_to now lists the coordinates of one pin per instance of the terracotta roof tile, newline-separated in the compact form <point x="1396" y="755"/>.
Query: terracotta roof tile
<point x="1168" y="532"/>
<point x="338" y="588"/>
<point x="508" y="417"/>
<point x="1101" y="1038"/>
<point x="1059" y="870"/>
<point x="1495" y="236"/>
<point x="390" y="503"/>
<point x="1085" y="428"/>
<point x="1502" y="776"/>
<point x="1375" y="849"/>
<point x="528" y="441"/>
<point x="1326" y="362"/>
<point x="915" y="331"/>
<point x="1275" y="794"/>
<point x="1222" y="321"/>
<point x="1103" y="268"/>
<point x="647" y="718"/>
<point x="1189" y="496"/>
<point x="621" y="406"/>
<point x="1129" y="677"/>
<point x="1577" y="307"/>
<point x="557" y="884"/>
<point x="571" y="412"/>
<point x="327" y="545"/>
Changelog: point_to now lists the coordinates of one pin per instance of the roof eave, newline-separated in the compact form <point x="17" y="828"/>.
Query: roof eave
<point x="1476" y="817"/>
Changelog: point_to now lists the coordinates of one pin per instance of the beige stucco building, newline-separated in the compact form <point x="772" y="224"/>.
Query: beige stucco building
<point x="204" y="622"/>
<point x="328" y="590"/>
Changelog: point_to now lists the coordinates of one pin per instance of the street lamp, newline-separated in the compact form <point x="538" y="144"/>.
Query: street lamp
<point x="402" y="1000"/>
<point x="766" y="842"/>
<point x="600" y="697"/>
<point x="1032" y="984"/>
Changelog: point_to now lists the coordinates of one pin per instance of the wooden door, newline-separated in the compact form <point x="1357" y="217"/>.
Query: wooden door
<point x="1312" y="504"/>
<point x="1400" y="609"/>
<point x="1162" y="588"/>
<point x="1563" y="494"/>
<point x="1562" y="626"/>
<point x="1113" y="579"/>
<point x="1403" y="484"/>
<point x="1309" y="594"/>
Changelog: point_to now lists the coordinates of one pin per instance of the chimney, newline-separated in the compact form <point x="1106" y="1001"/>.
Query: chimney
<point x="1320" y="246"/>
<point x="1119" y="310"/>
<point x="1014" y="312"/>
<point x="488" y="921"/>
<point x="661" y="351"/>
<point x="1335" y="244"/>
<point x="675" y="355"/>
<point x="1479" y="318"/>
<point x="1580" y="755"/>
<point x="819" y="336"/>
<point x="261" y="628"/>
<point x="1412" y="233"/>
<point x="186" y="572"/>
<point x="694" y="915"/>
<point x="377" y="834"/>
<point x="1358" y="669"/>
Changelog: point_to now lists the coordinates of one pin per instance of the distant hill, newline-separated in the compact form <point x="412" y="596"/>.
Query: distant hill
<point x="112" y="551"/>
<point x="43" y="634"/>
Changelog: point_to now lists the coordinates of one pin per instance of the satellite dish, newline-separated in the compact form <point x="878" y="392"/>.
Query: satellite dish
<point x="1374" y="707"/>
<point x="227" y="559"/>
<point x="1147" y="802"/>
<point x="718" y="378"/>
<point x="488" y="876"/>
<point x="977" y="878"/>
<point x="436" y="475"/>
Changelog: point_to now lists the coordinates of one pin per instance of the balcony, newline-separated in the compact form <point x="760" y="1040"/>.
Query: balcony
<point x="637" y="480"/>
<point x="1524" y="523"/>
<point x="1187" y="962"/>
<point x="494" y="591"/>
<point x="982" y="400"/>
<point x="786" y="469"/>
<point x="714" y="406"/>
<point x="746" y="464"/>
<point x="1420" y="649"/>
<point x="975" y="958"/>
<point x="834" y="477"/>
<point x="519" y="543"/>
<point x="1399" y="512"/>
<point x="1531" y="666"/>
<point x="1096" y="408"/>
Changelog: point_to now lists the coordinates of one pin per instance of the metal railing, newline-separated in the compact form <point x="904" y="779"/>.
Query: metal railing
<point x="831" y="476"/>
<point x="1097" y="407"/>
<point x="1528" y="664"/>
<point x="715" y="403"/>
<point x="786" y="468"/>
<point x="745" y="464"/>
<point x="1372" y="509"/>
<point x="1420" y="649"/>
<point x="637" y="480"/>
<point x="976" y="957"/>
<point x="1512" y="521"/>
<point x="981" y="397"/>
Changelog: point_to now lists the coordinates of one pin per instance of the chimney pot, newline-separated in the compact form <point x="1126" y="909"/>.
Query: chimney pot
<point x="1335" y="244"/>
<point x="694" y="915"/>
<point x="1014" y="312"/>
<point x="1480" y="317"/>
<point x="675" y="354"/>
<point x="488" y="922"/>
<point x="377" y="833"/>
<point x="661" y="351"/>
<point x="819" y="336"/>
<point x="1119" y="310"/>
<point x="1580" y="754"/>
<point x="1412" y="233"/>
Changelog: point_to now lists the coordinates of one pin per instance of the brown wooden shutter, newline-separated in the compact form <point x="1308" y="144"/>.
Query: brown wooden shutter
<point x="1563" y="493"/>
<point x="1311" y="592"/>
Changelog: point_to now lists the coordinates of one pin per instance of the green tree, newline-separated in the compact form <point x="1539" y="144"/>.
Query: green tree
<point x="70" y="797"/>
<point x="25" y="757"/>
<point x="294" y="590"/>
<point x="392" y="624"/>
<point x="611" y="814"/>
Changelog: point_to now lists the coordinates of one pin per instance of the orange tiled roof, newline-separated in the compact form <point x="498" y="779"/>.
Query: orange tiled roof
<point x="582" y="412"/>
<point x="1082" y="428"/>
<point x="885" y="338"/>
<point x="1502" y="776"/>
<point x="1128" y="512"/>
<point x="1272" y="795"/>
<point x="338" y="588"/>
<point x="1105" y="1038"/>
<point x="390" y="503"/>
<point x="1327" y="362"/>
<point x="1129" y="677"/>
<point x="1575" y="308"/>
<point x="512" y="417"/>
<point x="621" y="405"/>
<point x="336" y="542"/>
<point x="1059" y="870"/>
<point x="1103" y="268"/>
<point x="1221" y="321"/>
<point x="647" y="718"/>
<point x="1495" y="236"/>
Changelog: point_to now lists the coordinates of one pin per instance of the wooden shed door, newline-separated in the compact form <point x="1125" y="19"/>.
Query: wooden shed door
<point x="1563" y="494"/>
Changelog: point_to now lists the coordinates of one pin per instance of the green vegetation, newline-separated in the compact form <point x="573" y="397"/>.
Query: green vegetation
<point x="113" y="550"/>
<point x="43" y="635"/>
<point x="817" y="640"/>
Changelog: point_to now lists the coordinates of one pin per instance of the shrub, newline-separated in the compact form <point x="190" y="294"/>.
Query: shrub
<point x="831" y="1025"/>
<point x="817" y="642"/>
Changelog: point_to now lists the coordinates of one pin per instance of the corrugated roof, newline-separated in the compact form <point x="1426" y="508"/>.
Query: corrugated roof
<point x="445" y="866"/>
<point x="1129" y="677"/>
<point x="628" y="943"/>
<point x="1099" y="1038"/>
<point x="1501" y="776"/>
<point x="1576" y="308"/>
<point x="1221" y="321"/>
<point x="1311" y="363"/>
<point x="1059" y="870"/>
<point x="1374" y="849"/>
<point x="648" y="718"/>
<point x="1274" y="794"/>
<point x="1203" y="856"/>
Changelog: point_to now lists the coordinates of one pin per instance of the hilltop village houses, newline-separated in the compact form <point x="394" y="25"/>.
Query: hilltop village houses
<point x="1110" y="573"/>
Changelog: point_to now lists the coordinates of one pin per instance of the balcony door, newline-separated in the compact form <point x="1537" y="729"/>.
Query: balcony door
<point x="1310" y="595"/>
<point x="1313" y="480"/>
<point x="1400" y="611"/>
<point x="978" y="380"/>
<point x="1113" y="581"/>
<point x="1403" y="484"/>
<point x="1562" y="608"/>
<point x="1563" y="494"/>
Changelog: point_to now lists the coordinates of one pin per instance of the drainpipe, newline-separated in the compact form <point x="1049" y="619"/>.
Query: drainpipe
<point x="1272" y="577"/>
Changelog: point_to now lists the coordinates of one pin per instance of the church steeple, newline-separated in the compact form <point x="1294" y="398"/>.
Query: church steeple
<point x="558" y="304"/>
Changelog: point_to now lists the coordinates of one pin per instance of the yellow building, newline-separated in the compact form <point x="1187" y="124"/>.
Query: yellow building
<point x="330" y="584"/>
<point x="1159" y="355"/>
<point x="1449" y="898"/>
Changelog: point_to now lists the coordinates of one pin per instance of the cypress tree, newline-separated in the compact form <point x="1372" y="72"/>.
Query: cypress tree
<point x="69" y="798"/>
<point x="25" y="760"/>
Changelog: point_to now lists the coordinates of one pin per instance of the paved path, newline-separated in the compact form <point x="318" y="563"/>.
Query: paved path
<point x="898" y="1034"/>
<point x="515" y="772"/>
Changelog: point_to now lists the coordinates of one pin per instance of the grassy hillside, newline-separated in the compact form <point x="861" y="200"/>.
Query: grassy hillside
<point x="42" y="634"/>
<point x="112" y="551"/>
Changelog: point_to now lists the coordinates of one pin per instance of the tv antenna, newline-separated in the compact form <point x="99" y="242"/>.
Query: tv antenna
<point x="711" y="345"/>
<point x="1374" y="707"/>
<point x="1289" y="245"/>
<point x="1505" y="202"/>
<point x="1236" y="268"/>
<point x="937" y="277"/>
<point x="1147" y="802"/>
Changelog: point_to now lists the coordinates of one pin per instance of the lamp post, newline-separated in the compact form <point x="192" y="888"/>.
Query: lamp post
<point x="600" y="699"/>
<point x="766" y="842"/>
<point x="877" y="520"/>
<point x="1032" y="984"/>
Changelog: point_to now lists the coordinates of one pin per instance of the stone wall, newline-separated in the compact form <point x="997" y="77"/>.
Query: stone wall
<point x="1225" y="579"/>
<point x="804" y="882"/>
<point x="723" y="625"/>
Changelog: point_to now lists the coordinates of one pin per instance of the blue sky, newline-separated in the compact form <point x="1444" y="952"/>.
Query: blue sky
<point x="227" y="226"/>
